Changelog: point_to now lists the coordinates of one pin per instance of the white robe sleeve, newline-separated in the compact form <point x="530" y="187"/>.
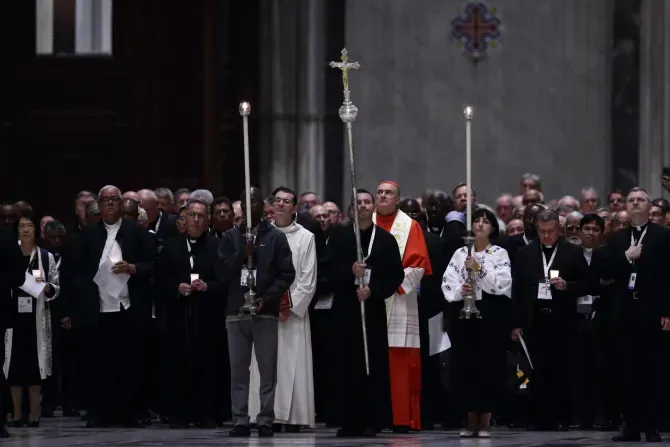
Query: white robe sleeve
<point x="495" y="277"/>
<point x="305" y="284"/>
<point x="452" y="281"/>
<point x="53" y="278"/>
<point x="412" y="279"/>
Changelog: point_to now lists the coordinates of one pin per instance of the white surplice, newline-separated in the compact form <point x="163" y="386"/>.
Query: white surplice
<point x="495" y="277"/>
<point x="402" y="311"/>
<point x="42" y="318"/>
<point x="294" y="395"/>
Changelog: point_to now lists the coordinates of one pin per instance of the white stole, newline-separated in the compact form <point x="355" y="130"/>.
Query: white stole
<point x="402" y="224"/>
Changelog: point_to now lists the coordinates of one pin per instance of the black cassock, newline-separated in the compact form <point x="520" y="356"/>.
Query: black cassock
<point x="361" y="402"/>
<point x="190" y="359"/>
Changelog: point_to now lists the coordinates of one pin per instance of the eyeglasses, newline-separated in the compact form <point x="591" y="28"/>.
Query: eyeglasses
<point x="195" y="216"/>
<point x="111" y="199"/>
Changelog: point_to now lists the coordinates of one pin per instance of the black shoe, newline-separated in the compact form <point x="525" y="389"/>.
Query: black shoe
<point x="369" y="433"/>
<point x="265" y="431"/>
<point x="627" y="436"/>
<point x="15" y="423"/>
<point x="33" y="424"/>
<point x="653" y="436"/>
<point x="276" y="428"/>
<point x="401" y="429"/>
<point x="240" y="431"/>
<point x="4" y="433"/>
<point x="292" y="428"/>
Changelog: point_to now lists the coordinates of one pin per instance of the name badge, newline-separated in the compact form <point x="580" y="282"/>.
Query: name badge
<point x="588" y="299"/>
<point x="25" y="304"/>
<point x="543" y="291"/>
<point x="366" y="278"/>
<point x="243" y="277"/>
<point x="325" y="303"/>
<point x="631" y="281"/>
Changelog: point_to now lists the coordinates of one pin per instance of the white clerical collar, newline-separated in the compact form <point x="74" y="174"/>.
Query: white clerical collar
<point x="114" y="226"/>
<point x="547" y="246"/>
<point x="193" y="241"/>
<point x="587" y="250"/>
<point x="640" y="227"/>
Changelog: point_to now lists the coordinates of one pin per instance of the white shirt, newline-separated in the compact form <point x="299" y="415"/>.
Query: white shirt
<point x="495" y="277"/>
<point x="113" y="250"/>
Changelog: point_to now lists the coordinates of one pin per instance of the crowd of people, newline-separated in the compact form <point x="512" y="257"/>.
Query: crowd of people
<point x="177" y="308"/>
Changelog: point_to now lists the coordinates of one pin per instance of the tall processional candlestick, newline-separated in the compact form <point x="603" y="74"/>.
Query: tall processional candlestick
<point x="469" y="305"/>
<point x="250" y="306"/>
<point x="348" y="112"/>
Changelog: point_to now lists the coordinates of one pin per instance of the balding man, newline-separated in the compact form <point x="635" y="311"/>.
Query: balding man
<point x="114" y="251"/>
<point x="160" y="222"/>
<point x="309" y="199"/>
<point x="621" y="220"/>
<point x="132" y="195"/>
<point x="334" y="212"/>
<point x="531" y="197"/>
<point x="589" y="200"/>
<point x="403" y="310"/>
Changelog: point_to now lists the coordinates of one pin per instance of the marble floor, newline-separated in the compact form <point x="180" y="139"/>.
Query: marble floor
<point x="60" y="432"/>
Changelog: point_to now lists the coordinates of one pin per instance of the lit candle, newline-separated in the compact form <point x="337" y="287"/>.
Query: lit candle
<point x="468" y="113"/>
<point x="245" y="111"/>
<point x="553" y="274"/>
<point x="114" y="259"/>
<point x="194" y="276"/>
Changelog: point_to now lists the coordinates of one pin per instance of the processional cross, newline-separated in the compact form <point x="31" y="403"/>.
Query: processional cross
<point x="345" y="66"/>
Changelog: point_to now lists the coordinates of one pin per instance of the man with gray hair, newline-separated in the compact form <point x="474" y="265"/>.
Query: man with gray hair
<point x="530" y="181"/>
<point x="572" y="227"/>
<point x="92" y="213"/>
<point x="204" y="195"/>
<point x="548" y="276"/>
<point x="589" y="200"/>
<point x="112" y="317"/>
<point x="165" y="199"/>
<point x="162" y="223"/>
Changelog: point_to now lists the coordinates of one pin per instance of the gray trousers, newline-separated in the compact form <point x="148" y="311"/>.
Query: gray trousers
<point x="261" y="332"/>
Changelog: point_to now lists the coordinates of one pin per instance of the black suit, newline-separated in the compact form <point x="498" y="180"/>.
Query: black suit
<point x="113" y="339"/>
<point x="192" y="325"/>
<point x="548" y="324"/>
<point x="167" y="227"/>
<point x="431" y="303"/>
<point x="641" y="345"/>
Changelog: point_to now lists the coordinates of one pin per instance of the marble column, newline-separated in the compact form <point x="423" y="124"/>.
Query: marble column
<point x="44" y="25"/>
<point x="293" y="63"/>
<point x="654" y="95"/>
<point x="93" y="32"/>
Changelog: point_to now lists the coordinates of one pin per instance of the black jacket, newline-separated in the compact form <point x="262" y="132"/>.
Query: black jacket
<point x="138" y="249"/>
<point x="273" y="262"/>
<point x="528" y="272"/>
<point x="11" y="273"/>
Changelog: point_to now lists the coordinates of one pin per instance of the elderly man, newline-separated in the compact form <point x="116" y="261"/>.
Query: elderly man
<point x="572" y="228"/>
<point x="402" y="308"/>
<point x="504" y="207"/>
<point x="113" y="264"/>
<point x="160" y="222"/>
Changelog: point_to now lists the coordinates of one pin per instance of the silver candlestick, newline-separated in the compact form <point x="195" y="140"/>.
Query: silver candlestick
<point x="469" y="300"/>
<point x="250" y="306"/>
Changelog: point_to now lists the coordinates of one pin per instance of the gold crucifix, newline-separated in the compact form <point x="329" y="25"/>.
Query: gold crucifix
<point x="345" y="66"/>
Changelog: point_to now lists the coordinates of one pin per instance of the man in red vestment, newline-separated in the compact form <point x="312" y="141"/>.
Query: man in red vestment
<point x="402" y="309"/>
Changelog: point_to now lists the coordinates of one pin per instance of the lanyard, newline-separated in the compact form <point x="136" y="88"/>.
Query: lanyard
<point x="551" y="261"/>
<point x="32" y="258"/>
<point x="158" y="222"/>
<point x="525" y="239"/>
<point x="639" y="242"/>
<point x="190" y="256"/>
<point x="372" y="240"/>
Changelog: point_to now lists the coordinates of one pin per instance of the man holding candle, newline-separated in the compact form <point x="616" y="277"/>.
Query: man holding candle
<point x="189" y="289"/>
<point x="548" y="276"/>
<point x="294" y="401"/>
<point x="274" y="273"/>
<point x="403" y="310"/>
<point x="114" y="251"/>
